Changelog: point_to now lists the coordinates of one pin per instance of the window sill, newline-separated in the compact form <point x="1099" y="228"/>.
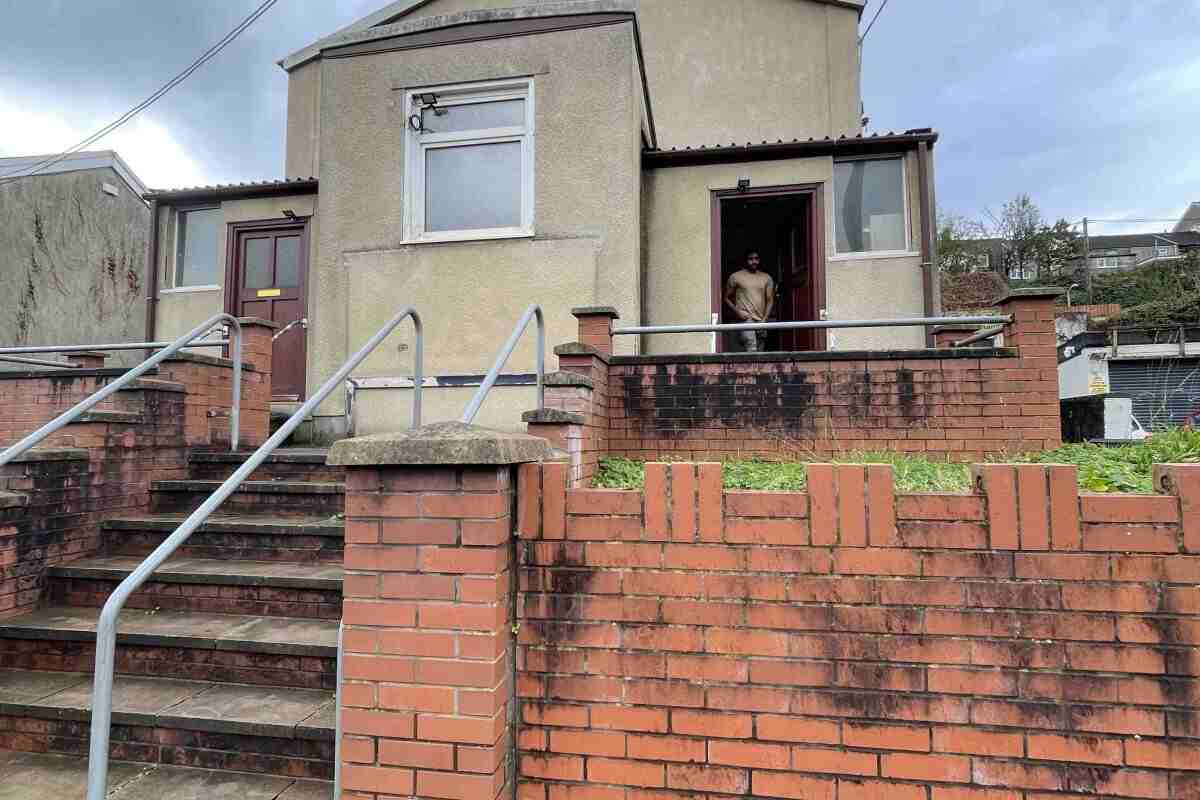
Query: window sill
<point x="190" y="289"/>
<point x="872" y="256"/>
<point x="469" y="236"/>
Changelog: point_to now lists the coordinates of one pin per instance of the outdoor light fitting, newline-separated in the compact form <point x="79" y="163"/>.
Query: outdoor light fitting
<point x="743" y="184"/>
<point x="289" y="213"/>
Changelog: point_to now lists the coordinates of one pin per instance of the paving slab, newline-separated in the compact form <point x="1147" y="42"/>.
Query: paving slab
<point x="176" y="783"/>
<point x="136" y="700"/>
<point x="191" y="629"/>
<point x="213" y="571"/>
<point x="247" y="710"/>
<point x="233" y="523"/>
<point x="308" y="790"/>
<point x="39" y="776"/>
<point x="28" y="686"/>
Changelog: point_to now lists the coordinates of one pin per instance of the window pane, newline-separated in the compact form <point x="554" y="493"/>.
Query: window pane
<point x="197" y="233"/>
<point x="475" y="116"/>
<point x="287" y="261"/>
<point x="472" y="187"/>
<point x="870" y="206"/>
<point x="256" y="264"/>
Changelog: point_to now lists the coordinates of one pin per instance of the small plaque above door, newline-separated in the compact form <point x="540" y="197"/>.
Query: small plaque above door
<point x="268" y="293"/>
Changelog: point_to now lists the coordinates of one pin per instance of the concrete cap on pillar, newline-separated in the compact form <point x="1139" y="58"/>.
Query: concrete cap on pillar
<point x="444" y="443"/>
<point x="1030" y="293"/>
<point x="596" y="311"/>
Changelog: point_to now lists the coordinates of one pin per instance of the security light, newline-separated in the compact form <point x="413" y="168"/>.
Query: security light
<point x="743" y="184"/>
<point x="289" y="213"/>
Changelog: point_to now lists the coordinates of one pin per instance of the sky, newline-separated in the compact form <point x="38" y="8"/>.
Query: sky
<point x="1092" y="107"/>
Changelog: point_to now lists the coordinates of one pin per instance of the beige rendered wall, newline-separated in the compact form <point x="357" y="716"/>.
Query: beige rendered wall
<point x="383" y="410"/>
<point x="302" y="159"/>
<point x="749" y="70"/>
<point x="586" y="216"/>
<point x="678" y="259"/>
<point x="180" y="310"/>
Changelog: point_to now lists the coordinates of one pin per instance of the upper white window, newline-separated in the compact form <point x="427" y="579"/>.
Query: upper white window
<point x="870" y="206"/>
<point x="469" y="159"/>
<point x="197" y="241"/>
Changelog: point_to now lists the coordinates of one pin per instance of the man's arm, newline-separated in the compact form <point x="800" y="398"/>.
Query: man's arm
<point x="730" y="293"/>
<point x="770" y="297"/>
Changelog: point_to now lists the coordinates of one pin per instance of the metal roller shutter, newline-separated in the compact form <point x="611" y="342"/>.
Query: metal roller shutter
<point x="1163" y="390"/>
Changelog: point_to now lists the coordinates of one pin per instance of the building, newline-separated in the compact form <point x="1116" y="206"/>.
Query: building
<point x="72" y="251"/>
<point x="470" y="160"/>
<point x="1136" y="250"/>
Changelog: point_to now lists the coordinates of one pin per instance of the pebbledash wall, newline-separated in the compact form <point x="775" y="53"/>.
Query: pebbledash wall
<point x="965" y="404"/>
<point x="53" y="498"/>
<point x="1021" y="642"/>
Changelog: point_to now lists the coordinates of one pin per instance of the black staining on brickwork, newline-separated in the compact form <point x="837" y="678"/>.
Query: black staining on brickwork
<point x="556" y="594"/>
<point x="783" y="398"/>
<point x="907" y="392"/>
<point x="1180" y="658"/>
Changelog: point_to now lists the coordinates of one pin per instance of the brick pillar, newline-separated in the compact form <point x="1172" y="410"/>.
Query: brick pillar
<point x="257" y="348"/>
<point x="576" y="419"/>
<point x="1032" y="384"/>
<point x="595" y="326"/>
<point x="1183" y="481"/>
<point x="429" y="658"/>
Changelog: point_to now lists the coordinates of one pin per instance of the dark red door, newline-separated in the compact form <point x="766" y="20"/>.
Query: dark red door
<point x="270" y="270"/>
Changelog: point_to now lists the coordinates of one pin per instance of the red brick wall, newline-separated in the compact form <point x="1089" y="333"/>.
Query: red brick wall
<point x="965" y="406"/>
<point x="1023" y="643"/>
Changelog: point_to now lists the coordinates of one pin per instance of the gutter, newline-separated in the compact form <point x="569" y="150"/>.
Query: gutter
<point x="152" y="275"/>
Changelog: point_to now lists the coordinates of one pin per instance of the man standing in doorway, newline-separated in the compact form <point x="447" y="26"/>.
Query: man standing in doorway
<point x="750" y="294"/>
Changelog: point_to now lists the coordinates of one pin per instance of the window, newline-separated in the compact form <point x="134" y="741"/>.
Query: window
<point x="1109" y="259"/>
<point x="197" y="236"/>
<point x="870" y="206"/>
<point x="470" y="162"/>
<point x="1165" y="250"/>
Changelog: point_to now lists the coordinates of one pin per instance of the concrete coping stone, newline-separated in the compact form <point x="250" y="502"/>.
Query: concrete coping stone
<point x="201" y="358"/>
<point x="595" y="311"/>
<point x="579" y="349"/>
<point x="111" y="416"/>
<point x="88" y="353"/>
<point x="568" y="378"/>
<point x="13" y="499"/>
<point x="1030" y="293"/>
<point x="67" y="372"/>
<point x="957" y="327"/>
<point x="930" y="354"/>
<point x="52" y="454"/>
<point x="552" y="416"/>
<point x="441" y="443"/>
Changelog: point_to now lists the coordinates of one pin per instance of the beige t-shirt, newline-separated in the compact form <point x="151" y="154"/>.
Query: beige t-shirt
<point x="750" y="292"/>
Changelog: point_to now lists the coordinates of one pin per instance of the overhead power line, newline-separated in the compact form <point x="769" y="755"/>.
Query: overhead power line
<point x="863" y="38"/>
<point x="204" y="58"/>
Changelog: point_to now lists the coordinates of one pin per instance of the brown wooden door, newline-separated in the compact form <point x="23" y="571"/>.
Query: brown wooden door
<point x="269" y="276"/>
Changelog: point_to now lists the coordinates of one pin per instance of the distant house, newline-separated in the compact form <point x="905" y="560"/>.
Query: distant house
<point x="72" y="251"/>
<point x="1126" y="251"/>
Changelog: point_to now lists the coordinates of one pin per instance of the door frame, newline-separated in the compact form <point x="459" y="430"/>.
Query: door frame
<point x="233" y="231"/>
<point x="816" y="196"/>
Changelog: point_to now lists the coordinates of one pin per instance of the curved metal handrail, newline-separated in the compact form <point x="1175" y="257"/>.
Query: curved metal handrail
<point x="534" y="311"/>
<point x="71" y="414"/>
<point x="106" y="627"/>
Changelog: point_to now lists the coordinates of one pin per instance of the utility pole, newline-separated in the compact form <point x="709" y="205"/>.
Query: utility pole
<point x="1087" y="259"/>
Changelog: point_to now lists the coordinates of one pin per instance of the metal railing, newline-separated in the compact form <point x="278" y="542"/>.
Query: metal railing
<point x="169" y="349"/>
<point x="106" y="627"/>
<point x="899" y="322"/>
<point x="9" y="353"/>
<point x="979" y="336"/>
<point x="533" y="312"/>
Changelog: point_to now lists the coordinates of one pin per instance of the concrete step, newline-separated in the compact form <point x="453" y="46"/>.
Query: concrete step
<point x="189" y="645"/>
<point x="260" y="729"/>
<point x="273" y="498"/>
<point x="225" y="536"/>
<point x="45" y="776"/>
<point x="220" y="586"/>
<point x="286" y="463"/>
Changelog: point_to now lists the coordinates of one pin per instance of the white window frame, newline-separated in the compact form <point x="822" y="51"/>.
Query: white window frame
<point x="858" y="255"/>
<point x="180" y="215"/>
<point x="416" y="144"/>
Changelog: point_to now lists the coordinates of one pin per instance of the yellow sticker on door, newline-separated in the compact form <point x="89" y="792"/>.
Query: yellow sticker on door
<point x="269" y="292"/>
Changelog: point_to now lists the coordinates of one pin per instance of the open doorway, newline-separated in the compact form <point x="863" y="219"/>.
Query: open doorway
<point x="783" y="224"/>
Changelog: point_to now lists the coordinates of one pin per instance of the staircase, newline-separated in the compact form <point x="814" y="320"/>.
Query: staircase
<point x="226" y="657"/>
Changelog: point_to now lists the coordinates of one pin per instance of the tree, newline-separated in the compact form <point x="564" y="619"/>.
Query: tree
<point x="960" y="247"/>
<point x="1032" y="249"/>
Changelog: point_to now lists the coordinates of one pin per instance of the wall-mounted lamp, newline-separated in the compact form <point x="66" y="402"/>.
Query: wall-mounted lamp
<point x="743" y="184"/>
<point x="287" y="212"/>
<point x="428" y="101"/>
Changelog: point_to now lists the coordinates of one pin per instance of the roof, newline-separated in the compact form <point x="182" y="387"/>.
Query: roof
<point x="383" y="23"/>
<point x="1185" y="239"/>
<point x="75" y="162"/>
<point x="221" y="191"/>
<point x="796" y="148"/>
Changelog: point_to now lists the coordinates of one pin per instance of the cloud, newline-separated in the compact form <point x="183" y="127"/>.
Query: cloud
<point x="146" y="145"/>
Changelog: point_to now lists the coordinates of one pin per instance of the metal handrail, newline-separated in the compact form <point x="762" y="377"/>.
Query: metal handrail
<point x="534" y="311"/>
<point x="900" y="322"/>
<point x="39" y="362"/>
<point x="94" y="399"/>
<point x="83" y="348"/>
<point x="979" y="336"/>
<point x="106" y="627"/>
